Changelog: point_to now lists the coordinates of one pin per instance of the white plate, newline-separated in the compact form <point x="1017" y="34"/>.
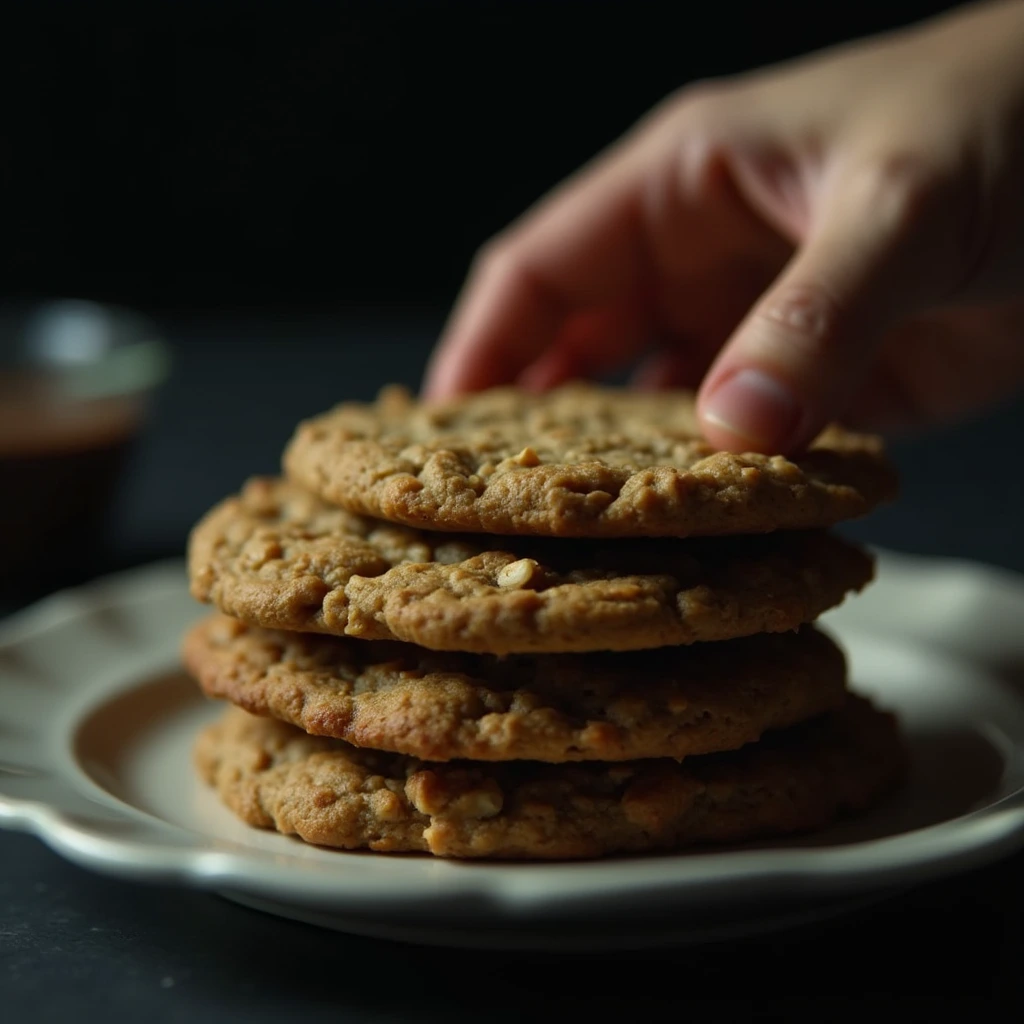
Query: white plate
<point x="96" y="725"/>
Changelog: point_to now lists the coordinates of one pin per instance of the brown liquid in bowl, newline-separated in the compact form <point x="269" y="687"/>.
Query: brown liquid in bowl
<point x="60" y="460"/>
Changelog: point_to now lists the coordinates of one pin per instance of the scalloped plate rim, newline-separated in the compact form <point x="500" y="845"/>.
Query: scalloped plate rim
<point x="931" y="852"/>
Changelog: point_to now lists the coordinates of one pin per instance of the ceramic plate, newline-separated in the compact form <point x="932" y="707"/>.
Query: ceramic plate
<point x="97" y="723"/>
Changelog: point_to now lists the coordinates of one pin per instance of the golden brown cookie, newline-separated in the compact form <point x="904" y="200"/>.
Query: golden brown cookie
<point x="670" y="702"/>
<point x="327" y="792"/>
<point x="277" y="556"/>
<point x="580" y="461"/>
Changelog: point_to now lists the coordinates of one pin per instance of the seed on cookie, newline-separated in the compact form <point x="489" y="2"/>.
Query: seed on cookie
<point x="518" y="573"/>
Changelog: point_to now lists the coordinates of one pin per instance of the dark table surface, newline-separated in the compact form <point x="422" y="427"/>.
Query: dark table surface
<point x="75" y="944"/>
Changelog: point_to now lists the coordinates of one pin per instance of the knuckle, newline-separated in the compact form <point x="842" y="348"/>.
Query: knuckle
<point x="699" y="105"/>
<point x="700" y="161"/>
<point x="701" y="114"/>
<point x="902" y="188"/>
<point x="804" y="318"/>
<point x="495" y="258"/>
<point x="691" y="108"/>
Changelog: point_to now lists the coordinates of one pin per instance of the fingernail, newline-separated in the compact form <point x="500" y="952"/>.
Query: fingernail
<point x="755" y="408"/>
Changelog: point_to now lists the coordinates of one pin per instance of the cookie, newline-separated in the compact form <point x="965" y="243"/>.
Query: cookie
<point x="327" y="792"/>
<point x="670" y="702"/>
<point x="580" y="461"/>
<point x="277" y="556"/>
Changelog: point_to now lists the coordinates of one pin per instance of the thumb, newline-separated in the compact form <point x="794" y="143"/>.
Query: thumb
<point x="882" y="247"/>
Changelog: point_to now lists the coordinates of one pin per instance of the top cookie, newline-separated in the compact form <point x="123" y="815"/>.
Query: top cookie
<point x="580" y="461"/>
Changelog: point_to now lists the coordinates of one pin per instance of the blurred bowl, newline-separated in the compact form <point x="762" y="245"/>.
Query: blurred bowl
<point x="75" y="384"/>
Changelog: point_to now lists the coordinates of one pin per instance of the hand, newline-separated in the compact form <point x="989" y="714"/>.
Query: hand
<point x="840" y="237"/>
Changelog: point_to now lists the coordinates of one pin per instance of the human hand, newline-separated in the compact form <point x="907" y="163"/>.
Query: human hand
<point x="839" y="237"/>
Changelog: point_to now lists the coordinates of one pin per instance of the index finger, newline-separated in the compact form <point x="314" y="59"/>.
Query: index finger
<point x="580" y="248"/>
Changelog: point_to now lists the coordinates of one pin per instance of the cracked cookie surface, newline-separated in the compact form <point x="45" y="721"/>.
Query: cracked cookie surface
<point x="278" y="556"/>
<point x="671" y="702"/>
<point x="579" y="461"/>
<point x="272" y="775"/>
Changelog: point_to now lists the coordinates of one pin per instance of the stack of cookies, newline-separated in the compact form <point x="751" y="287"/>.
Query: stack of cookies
<point x="536" y="626"/>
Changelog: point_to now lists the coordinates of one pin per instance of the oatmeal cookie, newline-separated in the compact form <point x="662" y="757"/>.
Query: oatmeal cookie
<point x="579" y="461"/>
<point x="670" y="702"/>
<point x="277" y="556"/>
<point x="327" y="792"/>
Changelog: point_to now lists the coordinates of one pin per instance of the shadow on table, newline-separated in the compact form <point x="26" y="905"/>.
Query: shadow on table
<point x="205" y="958"/>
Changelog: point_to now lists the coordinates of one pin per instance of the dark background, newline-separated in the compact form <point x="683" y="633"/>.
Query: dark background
<point x="293" y="192"/>
<point x="220" y="154"/>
